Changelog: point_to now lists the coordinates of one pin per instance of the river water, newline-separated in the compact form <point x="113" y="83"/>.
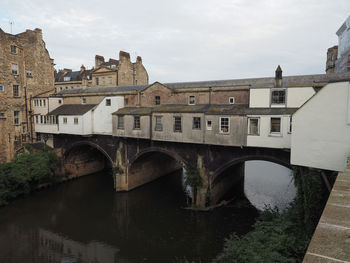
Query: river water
<point x="85" y="221"/>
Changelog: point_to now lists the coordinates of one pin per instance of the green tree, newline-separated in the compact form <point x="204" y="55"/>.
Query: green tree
<point x="194" y="180"/>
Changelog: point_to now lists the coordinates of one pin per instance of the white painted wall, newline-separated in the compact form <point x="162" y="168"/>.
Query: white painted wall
<point x="259" y="98"/>
<point x="344" y="38"/>
<point x="82" y="128"/>
<point x="265" y="138"/>
<point x="102" y="115"/>
<point x="46" y="128"/>
<point x="298" y="96"/>
<point x="321" y="129"/>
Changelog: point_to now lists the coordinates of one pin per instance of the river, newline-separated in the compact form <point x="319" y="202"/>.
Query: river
<point x="85" y="221"/>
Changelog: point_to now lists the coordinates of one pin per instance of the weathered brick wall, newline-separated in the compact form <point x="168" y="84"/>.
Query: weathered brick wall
<point x="31" y="54"/>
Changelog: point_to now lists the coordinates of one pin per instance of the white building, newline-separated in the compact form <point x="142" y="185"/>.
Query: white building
<point x="270" y="124"/>
<point x="321" y="129"/>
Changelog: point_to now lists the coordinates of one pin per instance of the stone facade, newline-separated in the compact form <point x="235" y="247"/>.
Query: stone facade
<point x="26" y="70"/>
<point x="105" y="74"/>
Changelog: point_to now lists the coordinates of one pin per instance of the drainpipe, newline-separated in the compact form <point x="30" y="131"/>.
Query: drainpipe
<point x="31" y="119"/>
<point x="210" y="89"/>
<point x="150" y="128"/>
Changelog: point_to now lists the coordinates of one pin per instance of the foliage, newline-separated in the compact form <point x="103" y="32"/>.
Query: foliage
<point x="282" y="237"/>
<point x="25" y="173"/>
<point x="194" y="180"/>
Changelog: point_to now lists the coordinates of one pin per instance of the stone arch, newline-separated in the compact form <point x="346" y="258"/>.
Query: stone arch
<point x="171" y="154"/>
<point x="83" y="143"/>
<point x="235" y="161"/>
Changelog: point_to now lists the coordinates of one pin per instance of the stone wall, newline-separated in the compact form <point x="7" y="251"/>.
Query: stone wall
<point x="35" y="75"/>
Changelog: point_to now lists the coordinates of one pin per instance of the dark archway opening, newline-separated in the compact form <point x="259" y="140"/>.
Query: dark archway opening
<point x="262" y="183"/>
<point x="85" y="159"/>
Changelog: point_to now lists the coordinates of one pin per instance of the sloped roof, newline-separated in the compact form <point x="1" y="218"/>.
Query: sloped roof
<point x="72" y="109"/>
<point x="237" y="109"/>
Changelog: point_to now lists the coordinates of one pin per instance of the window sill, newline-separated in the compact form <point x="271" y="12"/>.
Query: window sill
<point x="224" y="133"/>
<point x="254" y="134"/>
<point x="275" y="135"/>
<point x="178" y="131"/>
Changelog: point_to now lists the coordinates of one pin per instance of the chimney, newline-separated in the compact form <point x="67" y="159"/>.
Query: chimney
<point x="124" y="55"/>
<point x="278" y="76"/>
<point x="99" y="60"/>
<point x="82" y="68"/>
<point x="139" y="59"/>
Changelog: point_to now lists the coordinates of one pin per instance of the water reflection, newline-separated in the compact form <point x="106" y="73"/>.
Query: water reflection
<point x="268" y="184"/>
<point x="86" y="221"/>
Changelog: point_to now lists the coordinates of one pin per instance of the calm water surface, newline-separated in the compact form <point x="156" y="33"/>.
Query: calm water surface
<point x="86" y="221"/>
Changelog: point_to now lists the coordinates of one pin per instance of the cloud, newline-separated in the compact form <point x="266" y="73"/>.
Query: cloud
<point x="187" y="40"/>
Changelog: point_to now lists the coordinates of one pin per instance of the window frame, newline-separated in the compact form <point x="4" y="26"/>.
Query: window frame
<point x="137" y="122"/>
<point x="120" y="122"/>
<point x="108" y="102"/>
<point x="97" y="81"/>
<point x="16" y="119"/>
<point x="221" y="125"/>
<point x="258" y="126"/>
<point x="190" y="101"/>
<point x="14" y="69"/>
<point x="177" y="122"/>
<point x="83" y="100"/>
<point x="209" y="127"/>
<point x="76" y="121"/>
<point x="2" y="115"/>
<point x="157" y="100"/>
<point x="29" y="73"/>
<point x="15" y="91"/>
<point x="195" y="124"/>
<point x="233" y="100"/>
<point x="2" y="88"/>
<point x="276" y="133"/>
<point x="13" y="49"/>
<point x="65" y="120"/>
<point x="278" y="90"/>
<point x="158" y="123"/>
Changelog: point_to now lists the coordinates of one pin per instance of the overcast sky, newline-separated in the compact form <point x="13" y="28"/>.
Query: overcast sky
<point x="186" y="40"/>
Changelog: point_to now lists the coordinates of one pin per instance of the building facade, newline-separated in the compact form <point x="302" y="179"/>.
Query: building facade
<point x="104" y="74"/>
<point x="26" y="70"/>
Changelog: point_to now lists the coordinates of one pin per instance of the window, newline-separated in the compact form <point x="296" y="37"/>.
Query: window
<point x="16" y="117"/>
<point x="44" y="103"/>
<point x="110" y="80"/>
<point x="61" y="88"/>
<point x="209" y="125"/>
<point x="66" y="78"/>
<point x="2" y="115"/>
<point x="224" y="125"/>
<point x="96" y="81"/>
<point x="14" y="68"/>
<point x="108" y="102"/>
<point x="15" y="91"/>
<point x="59" y="101"/>
<point x="126" y="101"/>
<point x="120" y="122"/>
<point x="159" y="125"/>
<point x="157" y="100"/>
<point x="196" y="125"/>
<point x="41" y="119"/>
<point x="278" y="97"/>
<point x="29" y="73"/>
<point x="13" y="49"/>
<point x="275" y="125"/>
<point x="76" y="120"/>
<point x="177" y="124"/>
<point x="36" y="119"/>
<point x="191" y="100"/>
<point x="232" y="100"/>
<point x="290" y="124"/>
<point x="253" y="126"/>
<point x="83" y="100"/>
<point x="64" y="120"/>
<point x="1" y="88"/>
<point x="40" y="103"/>
<point x="137" y="124"/>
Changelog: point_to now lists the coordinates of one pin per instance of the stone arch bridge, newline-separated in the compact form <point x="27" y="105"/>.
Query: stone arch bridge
<point x="136" y="162"/>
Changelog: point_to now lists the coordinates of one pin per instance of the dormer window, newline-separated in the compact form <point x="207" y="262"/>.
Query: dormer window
<point x="66" y="79"/>
<point x="13" y="49"/>
<point x="278" y="96"/>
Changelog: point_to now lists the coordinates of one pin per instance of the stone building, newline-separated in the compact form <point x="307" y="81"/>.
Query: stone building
<point x="338" y="57"/>
<point x="26" y="70"/>
<point x="105" y="73"/>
